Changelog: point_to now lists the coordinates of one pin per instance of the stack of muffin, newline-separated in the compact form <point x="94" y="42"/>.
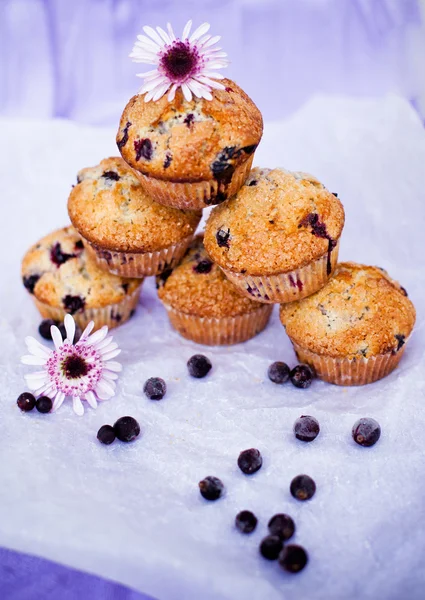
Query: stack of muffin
<point x="274" y="238"/>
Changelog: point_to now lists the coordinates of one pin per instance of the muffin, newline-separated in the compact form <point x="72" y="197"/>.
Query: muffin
<point x="64" y="278"/>
<point x="277" y="240"/>
<point x="203" y="306"/>
<point x="191" y="154"/>
<point x="126" y="232"/>
<point x="354" y="330"/>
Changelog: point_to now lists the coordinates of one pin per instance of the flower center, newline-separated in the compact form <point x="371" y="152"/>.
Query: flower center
<point x="74" y="366"/>
<point x="179" y="61"/>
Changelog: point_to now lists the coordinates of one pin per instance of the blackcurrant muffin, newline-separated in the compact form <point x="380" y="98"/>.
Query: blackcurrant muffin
<point x="277" y="240"/>
<point x="126" y="231"/>
<point x="355" y="329"/>
<point x="191" y="154"/>
<point x="63" y="278"/>
<point x="202" y="304"/>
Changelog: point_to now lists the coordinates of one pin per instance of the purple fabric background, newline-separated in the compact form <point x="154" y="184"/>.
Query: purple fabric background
<point x="24" y="577"/>
<point x="68" y="59"/>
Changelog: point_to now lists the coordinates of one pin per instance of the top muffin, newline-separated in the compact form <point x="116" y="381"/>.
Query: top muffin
<point x="279" y="221"/>
<point x="110" y="209"/>
<point x="360" y="312"/>
<point x="189" y="141"/>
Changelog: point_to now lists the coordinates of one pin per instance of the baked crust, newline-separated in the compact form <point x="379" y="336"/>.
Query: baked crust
<point x="110" y="209"/>
<point x="72" y="274"/>
<point x="361" y="311"/>
<point x="183" y="141"/>
<point x="277" y="222"/>
<point x="198" y="287"/>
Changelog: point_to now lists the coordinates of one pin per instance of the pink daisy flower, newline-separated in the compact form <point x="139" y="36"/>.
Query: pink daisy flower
<point x="83" y="371"/>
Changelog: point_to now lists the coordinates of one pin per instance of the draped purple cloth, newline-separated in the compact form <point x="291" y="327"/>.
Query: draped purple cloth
<point x="70" y="59"/>
<point x="24" y="577"/>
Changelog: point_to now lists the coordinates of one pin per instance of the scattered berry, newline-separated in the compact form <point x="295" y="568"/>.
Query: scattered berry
<point x="250" y="461"/>
<point x="199" y="365"/>
<point x="303" y="487"/>
<point x="366" y="432"/>
<point x="26" y="402"/>
<point x="246" y="521"/>
<point x="155" y="388"/>
<point x="106" y="434"/>
<point x="278" y="372"/>
<point x="306" y="428"/>
<point x="127" y="429"/>
<point x="282" y="525"/>
<point x="211" y="488"/>
<point x="44" y="404"/>
<point x="301" y="376"/>
<point x="44" y="328"/>
<point x="293" y="558"/>
<point x="271" y="546"/>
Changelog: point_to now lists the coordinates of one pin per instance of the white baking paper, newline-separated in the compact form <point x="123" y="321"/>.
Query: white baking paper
<point x="133" y="512"/>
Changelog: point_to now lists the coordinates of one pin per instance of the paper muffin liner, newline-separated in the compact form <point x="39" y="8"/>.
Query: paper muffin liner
<point x="220" y="331"/>
<point x="287" y="287"/>
<point x="349" y="371"/>
<point x="195" y="195"/>
<point x="111" y="315"/>
<point x="138" y="264"/>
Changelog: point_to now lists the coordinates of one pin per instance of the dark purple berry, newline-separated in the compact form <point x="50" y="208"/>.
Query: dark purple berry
<point x="278" y="372"/>
<point x="44" y="328"/>
<point x="44" y="404"/>
<point x="127" y="429"/>
<point x="211" y="488"/>
<point x="250" y="461"/>
<point x="282" y="525"/>
<point x="223" y="238"/>
<point x="222" y="168"/>
<point x="143" y="148"/>
<point x="199" y="366"/>
<point x="335" y="194"/>
<point x="111" y="175"/>
<point x="303" y="487"/>
<point x="203" y="266"/>
<point x="403" y="291"/>
<point x="155" y="388"/>
<point x="73" y="304"/>
<point x="189" y="119"/>
<point x="26" y="402"/>
<point x="301" y="376"/>
<point x="401" y="340"/>
<point x="366" y="432"/>
<point x="270" y="547"/>
<point x="106" y="434"/>
<point x="167" y="161"/>
<point x="161" y="279"/>
<point x="124" y="138"/>
<point x="253" y="182"/>
<point x="249" y="149"/>
<point x="306" y="428"/>
<point x="293" y="558"/>
<point x="58" y="257"/>
<point x="30" y="282"/>
<point x="79" y="245"/>
<point x="246" y="521"/>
